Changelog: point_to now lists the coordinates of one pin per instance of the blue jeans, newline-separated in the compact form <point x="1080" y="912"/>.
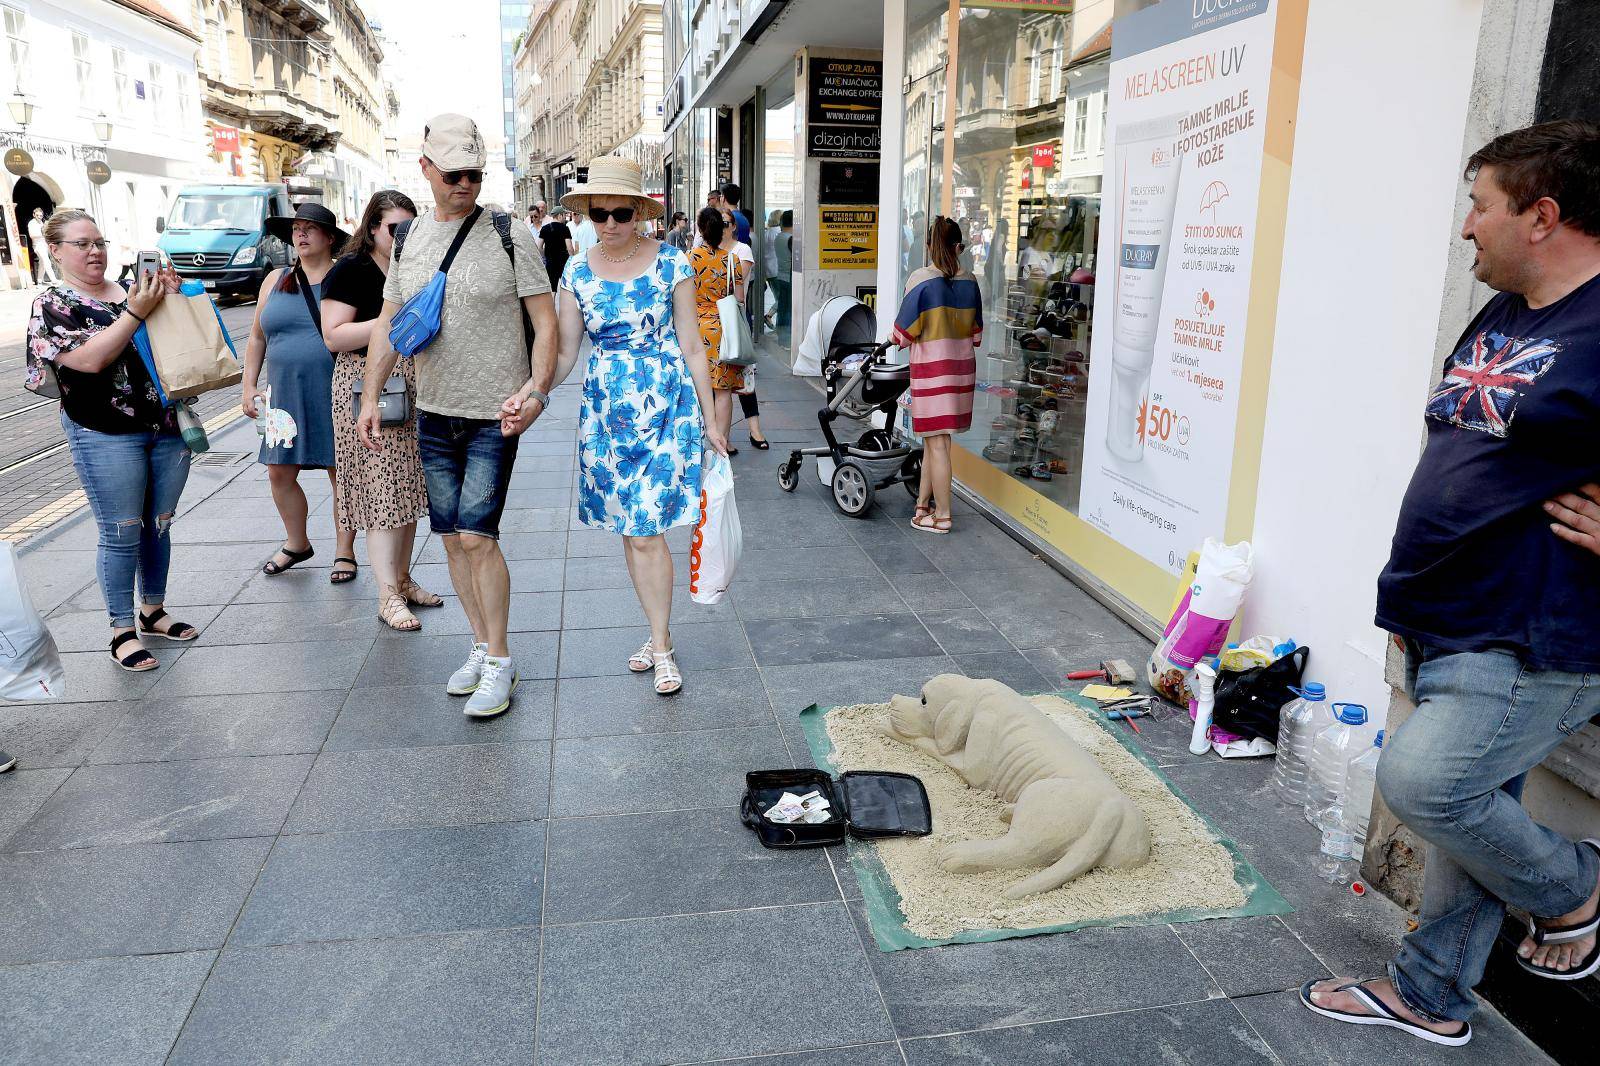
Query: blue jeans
<point x="133" y="481"/>
<point x="467" y="465"/>
<point x="1454" y="773"/>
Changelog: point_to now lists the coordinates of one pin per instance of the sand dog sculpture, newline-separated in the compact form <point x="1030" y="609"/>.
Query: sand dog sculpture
<point x="1066" y="814"/>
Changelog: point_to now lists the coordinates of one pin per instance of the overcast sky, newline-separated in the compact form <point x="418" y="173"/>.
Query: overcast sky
<point x="438" y="64"/>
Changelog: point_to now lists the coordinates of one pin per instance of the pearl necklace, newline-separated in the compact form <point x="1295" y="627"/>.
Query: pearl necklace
<point x="637" y="241"/>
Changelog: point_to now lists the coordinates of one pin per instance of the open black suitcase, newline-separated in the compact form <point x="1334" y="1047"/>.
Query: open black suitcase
<point x="863" y="803"/>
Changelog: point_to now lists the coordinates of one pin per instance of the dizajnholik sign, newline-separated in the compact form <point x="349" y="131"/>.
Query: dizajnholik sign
<point x="1185" y="141"/>
<point x="844" y="108"/>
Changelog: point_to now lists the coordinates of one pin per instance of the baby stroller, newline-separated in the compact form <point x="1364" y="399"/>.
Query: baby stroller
<point x="864" y="383"/>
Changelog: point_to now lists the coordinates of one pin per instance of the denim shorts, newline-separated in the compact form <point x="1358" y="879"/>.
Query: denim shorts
<point x="467" y="465"/>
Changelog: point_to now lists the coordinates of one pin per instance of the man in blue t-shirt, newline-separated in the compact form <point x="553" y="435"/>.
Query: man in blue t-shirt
<point x="1498" y="608"/>
<point x="731" y="194"/>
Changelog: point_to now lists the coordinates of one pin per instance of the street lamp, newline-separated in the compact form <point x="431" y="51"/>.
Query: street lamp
<point x="21" y="109"/>
<point x="102" y="128"/>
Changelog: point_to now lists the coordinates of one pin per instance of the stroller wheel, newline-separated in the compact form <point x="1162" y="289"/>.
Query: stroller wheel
<point x="788" y="476"/>
<point x="852" y="491"/>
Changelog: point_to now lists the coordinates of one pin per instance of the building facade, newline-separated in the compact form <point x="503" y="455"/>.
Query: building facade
<point x="550" y="111"/>
<point x="357" y="166"/>
<point x="618" y="49"/>
<point x="513" y="24"/>
<point x="104" y="84"/>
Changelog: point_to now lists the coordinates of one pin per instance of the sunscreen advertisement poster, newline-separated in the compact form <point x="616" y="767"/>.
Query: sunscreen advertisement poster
<point x="1185" y="139"/>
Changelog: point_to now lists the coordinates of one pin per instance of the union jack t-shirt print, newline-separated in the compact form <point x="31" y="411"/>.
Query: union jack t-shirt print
<point x="1487" y="378"/>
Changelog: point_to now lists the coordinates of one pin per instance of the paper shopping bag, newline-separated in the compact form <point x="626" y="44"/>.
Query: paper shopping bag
<point x="191" y="351"/>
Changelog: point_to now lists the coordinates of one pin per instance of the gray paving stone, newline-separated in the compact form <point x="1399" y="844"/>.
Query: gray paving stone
<point x="1056" y="662"/>
<point x="1191" y="1033"/>
<point x="135" y="900"/>
<point x="92" y="677"/>
<point x="1038" y="978"/>
<point x="647" y="971"/>
<point x="590" y="543"/>
<point x="43" y="735"/>
<point x="240" y="669"/>
<point x="212" y="727"/>
<point x="98" y="1012"/>
<point x="523" y="481"/>
<point x="418" y="787"/>
<point x="963" y="631"/>
<point x="308" y="582"/>
<point x="1007" y="667"/>
<point x="1301" y="1038"/>
<point x="426" y="716"/>
<point x="146" y="803"/>
<point x="613" y="608"/>
<point x="700" y="647"/>
<point x="672" y="771"/>
<point x="837" y="562"/>
<point x="197" y="588"/>
<point x="809" y="598"/>
<point x="345" y="618"/>
<point x="424" y="659"/>
<point x="530" y="612"/>
<point x="803" y="528"/>
<point x="794" y="688"/>
<point x="858" y="1055"/>
<point x="850" y="638"/>
<point x="536" y="519"/>
<point x="457" y="998"/>
<point x="896" y="555"/>
<point x="527" y="575"/>
<point x="53" y="577"/>
<point x="1248" y="956"/>
<point x="611" y="572"/>
<point x="90" y="630"/>
<point x="675" y="862"/>
<point x="610" y="705"/>
<point x="187" y="558"/>
<point x="22" y="793"/>
<point x="1035" y="607"/>
<point x="518" y="499"/>
<point x="397" y="882"/>
<point x="929" y="591"/>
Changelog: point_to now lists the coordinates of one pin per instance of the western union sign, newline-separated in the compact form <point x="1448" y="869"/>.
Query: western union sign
<point x="849" y="237"/>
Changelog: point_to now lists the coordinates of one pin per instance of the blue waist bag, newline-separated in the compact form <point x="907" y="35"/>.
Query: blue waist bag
<point x="417" y="322"/>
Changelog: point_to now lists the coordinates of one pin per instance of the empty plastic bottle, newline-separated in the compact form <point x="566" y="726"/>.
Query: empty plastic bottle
<point x="1332" y="752"/>
<point x="1297" y="726"/>
<point x="1359" y="785"/>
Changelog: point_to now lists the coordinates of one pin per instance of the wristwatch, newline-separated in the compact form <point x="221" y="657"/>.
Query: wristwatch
<point x="542" y="397"/>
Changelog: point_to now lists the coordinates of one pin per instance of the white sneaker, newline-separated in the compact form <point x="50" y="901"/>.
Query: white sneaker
<point x="493" y="695"/>
<point x="464" y="682"/>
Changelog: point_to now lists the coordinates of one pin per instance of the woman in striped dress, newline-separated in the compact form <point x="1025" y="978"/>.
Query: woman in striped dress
<point x="941" y="321"/>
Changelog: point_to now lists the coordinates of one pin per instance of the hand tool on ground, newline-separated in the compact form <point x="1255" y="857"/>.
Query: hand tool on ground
<point x="1112" y="671"/>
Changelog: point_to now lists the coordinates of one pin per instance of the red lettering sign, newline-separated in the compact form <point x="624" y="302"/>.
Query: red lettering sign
<point x="224" y="140"/>
<point x="1044" y="155"/>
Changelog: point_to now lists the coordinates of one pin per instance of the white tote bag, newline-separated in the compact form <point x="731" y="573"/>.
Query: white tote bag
<point x="717" y="542"/>
<point x="738" y="348"/>
<point x="30" y="665"/>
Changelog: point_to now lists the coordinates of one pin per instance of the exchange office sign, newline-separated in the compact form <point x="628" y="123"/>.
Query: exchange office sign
<point x="844" y="108"/>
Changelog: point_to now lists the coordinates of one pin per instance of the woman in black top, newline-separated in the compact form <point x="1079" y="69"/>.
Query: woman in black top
<point x="381" y="492"/>
<point x="125" y="443"/>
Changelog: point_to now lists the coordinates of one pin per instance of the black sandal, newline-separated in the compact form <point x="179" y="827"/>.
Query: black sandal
<point x="760" y="444"/>
<point x="272" y="569"/>
<point x="343" y="577"/>
<point x="135" y="662"/>
<point x="175" y="631"/>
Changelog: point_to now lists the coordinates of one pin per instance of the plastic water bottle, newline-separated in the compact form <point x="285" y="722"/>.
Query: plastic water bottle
<point x="1359" y="786"/>
<point x="1297" y="726"/>
<point x="189" y="424"/>
<point x="1332" y="752"/>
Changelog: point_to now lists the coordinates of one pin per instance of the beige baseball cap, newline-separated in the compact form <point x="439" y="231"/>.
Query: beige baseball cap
<point x="453" y="143"/>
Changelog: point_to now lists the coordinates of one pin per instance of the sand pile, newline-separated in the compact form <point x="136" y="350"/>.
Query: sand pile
<point x="1188" y="868"/>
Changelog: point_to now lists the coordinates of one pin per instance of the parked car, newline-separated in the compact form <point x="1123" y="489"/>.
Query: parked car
<point x="217" y="234"/>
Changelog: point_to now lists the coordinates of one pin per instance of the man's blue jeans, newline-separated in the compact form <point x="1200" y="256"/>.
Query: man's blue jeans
<point x="133" y="482"/>
<point x="1454" y="773"/>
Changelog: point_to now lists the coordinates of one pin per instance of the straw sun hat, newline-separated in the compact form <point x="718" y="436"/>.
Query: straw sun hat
<point x="614" y="175"/>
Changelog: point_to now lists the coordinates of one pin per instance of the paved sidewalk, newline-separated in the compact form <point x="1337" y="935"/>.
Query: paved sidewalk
<point x="288" y="845"/>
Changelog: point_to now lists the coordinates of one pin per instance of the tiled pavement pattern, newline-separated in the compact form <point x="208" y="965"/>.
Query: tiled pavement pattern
<point x="288" y="845"/>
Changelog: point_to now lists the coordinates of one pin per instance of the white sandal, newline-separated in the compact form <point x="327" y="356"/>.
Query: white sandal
<point x="640" y="661"/>
<point x="666" y="673"/>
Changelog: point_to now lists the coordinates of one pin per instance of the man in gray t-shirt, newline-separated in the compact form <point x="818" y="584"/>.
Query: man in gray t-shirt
<point x="475" y="363"/>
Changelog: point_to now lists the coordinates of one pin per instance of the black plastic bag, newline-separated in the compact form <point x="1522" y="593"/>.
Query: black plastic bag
<point x="1248" y="702"/>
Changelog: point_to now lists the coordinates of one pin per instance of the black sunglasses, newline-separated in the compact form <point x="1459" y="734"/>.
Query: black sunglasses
<point x="453" y="177"/>
<point x="598" y="215"/>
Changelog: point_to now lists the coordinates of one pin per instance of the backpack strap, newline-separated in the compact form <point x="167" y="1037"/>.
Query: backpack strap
<point x="401" y="231"/>
<point x="502" y="226"/>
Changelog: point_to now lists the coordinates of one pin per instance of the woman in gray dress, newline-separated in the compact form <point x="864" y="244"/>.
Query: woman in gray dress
<point x="298" y="396"/>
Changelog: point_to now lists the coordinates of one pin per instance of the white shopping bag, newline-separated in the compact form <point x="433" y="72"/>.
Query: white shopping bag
<point x="30" y="665"/>
<point x="716" y="544"/>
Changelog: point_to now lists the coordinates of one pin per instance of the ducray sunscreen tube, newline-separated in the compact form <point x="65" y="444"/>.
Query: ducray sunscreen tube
<point x="1147" y="190"/>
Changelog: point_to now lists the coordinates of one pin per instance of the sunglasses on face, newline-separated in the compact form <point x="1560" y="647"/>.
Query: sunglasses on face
<point x="454" y="177"/>
<point x="598" y="215"/>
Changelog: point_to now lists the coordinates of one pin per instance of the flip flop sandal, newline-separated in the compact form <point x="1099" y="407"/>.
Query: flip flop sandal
<point x="343" y="577"/>
<point x="667" y="673"/>
<point x="1380" y="1014"/>
<point x="418" y="596"/>
<point x="394" y="612"/>
<point x="642" y="661"/>
<point x="135" y="662"/>
<point x="1563" y="934"/>
<point x="272" y="569"/>
<point x="179" y="631"/>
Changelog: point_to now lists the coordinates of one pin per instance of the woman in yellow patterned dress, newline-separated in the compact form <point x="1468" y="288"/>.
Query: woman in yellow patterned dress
<point x="710" y="258"/>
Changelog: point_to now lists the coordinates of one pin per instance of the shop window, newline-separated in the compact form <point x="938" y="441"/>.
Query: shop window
<point x="927" y="53"/>
<point x="776" y="215"/>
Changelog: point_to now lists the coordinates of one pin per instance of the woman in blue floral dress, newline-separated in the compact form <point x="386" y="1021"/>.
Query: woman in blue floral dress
<point x="642" y="435"/>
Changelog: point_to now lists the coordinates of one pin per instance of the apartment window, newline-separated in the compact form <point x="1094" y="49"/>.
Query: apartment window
<point x="185" y="98"/>
<point x="1056" y="57"/>
<point x="17" y="42"/>
<point x="85" y="68"/>
<point x="158" y="92"/>
<point x="122" y="85"/>
<point x="1080" y="127"/>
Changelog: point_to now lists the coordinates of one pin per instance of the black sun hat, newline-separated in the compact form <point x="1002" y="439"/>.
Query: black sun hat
<point x="282" y="226"/>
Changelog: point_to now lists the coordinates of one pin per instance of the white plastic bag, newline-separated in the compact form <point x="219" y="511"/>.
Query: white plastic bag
<point x="30" y="665"/>
<point x="1199" y="626"/>
<point x="717" y="542"/>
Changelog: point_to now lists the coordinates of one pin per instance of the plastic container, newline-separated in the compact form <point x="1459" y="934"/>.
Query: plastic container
<point x="1297" y="726"/>
<point x="189" y="424"/>
<point x="1205" y="680"/>
<point x="1334" y="749"/>
<point x="1360" y="783"/>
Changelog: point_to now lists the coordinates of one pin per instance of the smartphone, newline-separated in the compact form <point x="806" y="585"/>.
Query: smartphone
<point x="148" y="262"/>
